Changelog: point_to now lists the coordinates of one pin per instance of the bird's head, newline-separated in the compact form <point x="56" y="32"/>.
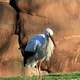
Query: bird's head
<point x="49" y="32"/>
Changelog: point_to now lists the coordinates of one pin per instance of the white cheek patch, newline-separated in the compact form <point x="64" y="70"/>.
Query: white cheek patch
<point x="50" y="49"/>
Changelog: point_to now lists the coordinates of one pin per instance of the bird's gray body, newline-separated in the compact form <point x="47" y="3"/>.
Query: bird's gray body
<point x="42" y="46"/>
<point x="38" y="45"/>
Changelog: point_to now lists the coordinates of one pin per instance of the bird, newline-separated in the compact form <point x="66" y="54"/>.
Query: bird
<point x="38" y="48"/>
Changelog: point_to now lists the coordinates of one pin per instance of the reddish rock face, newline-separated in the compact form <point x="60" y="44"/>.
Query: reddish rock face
<point x="5" y="1"/>
<point x="22" y="5"/>
<point x="7" y="23"/>
<point x="64" y="18"/>
<point x="63" y="15"/>
<point x="11" y="59"/>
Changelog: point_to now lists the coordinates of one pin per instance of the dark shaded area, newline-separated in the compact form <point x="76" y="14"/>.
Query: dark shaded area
<point x="1" y="10"/>
<point x="13" y="4"/>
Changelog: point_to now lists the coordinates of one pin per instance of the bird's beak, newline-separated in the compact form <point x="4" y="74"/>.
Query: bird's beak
<point x="53" y="40"/>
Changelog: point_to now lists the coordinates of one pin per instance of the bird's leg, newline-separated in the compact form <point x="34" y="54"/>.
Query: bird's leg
<point x="39" y="68"/>
<point x="38" y="78"/>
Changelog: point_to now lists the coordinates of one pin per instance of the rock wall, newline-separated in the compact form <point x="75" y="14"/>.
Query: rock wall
<point x="7" y="23"/>
<point x="33" y="17"/>
<point x="10" y="56"/>
<point x="5" y="1"/>
<point x="63" y="17"/>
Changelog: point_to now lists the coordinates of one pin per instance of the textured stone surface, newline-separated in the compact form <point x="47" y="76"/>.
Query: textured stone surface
<point x="7" y="23"/>
<point x="5" y="1"/>
<point x="63" y="16"/>
<point x="11" y="59"/>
